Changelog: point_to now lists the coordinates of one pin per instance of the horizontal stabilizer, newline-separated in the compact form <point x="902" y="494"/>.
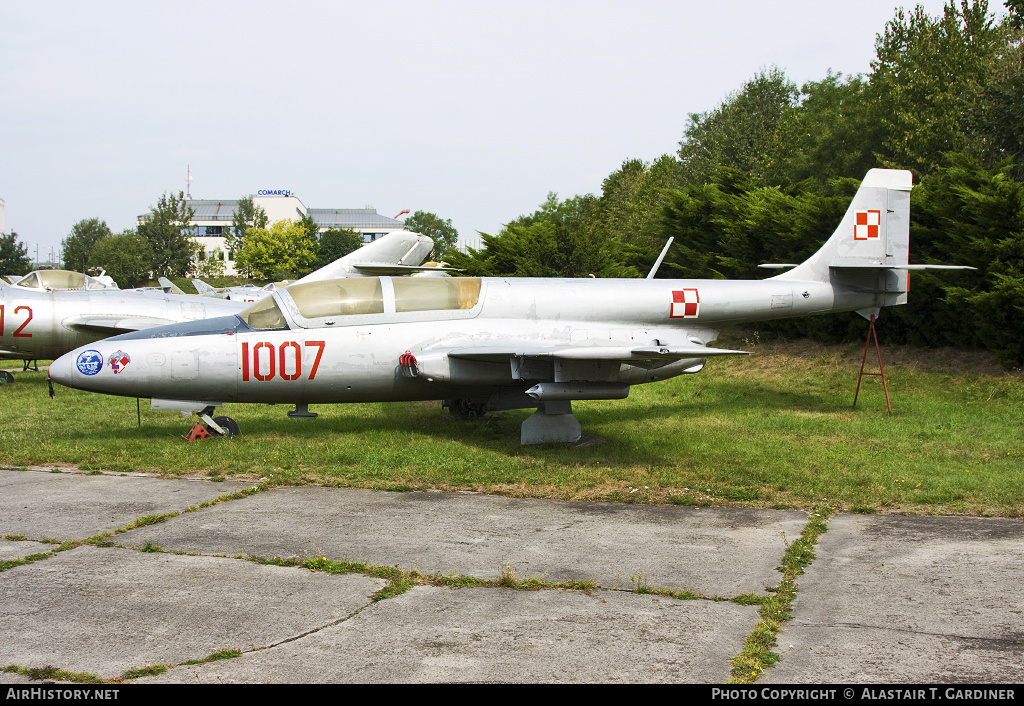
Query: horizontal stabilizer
<point x="901" y="267"/>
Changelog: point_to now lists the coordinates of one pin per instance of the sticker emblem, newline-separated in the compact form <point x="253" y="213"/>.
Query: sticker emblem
<point x="685" y="304"/>
<point x="867" y="225"/>
<point x="118" y="362"/>
<point x="89" y="362"/>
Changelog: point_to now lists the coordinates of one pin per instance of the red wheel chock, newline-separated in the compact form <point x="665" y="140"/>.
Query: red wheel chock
<point x="198" y="433"/>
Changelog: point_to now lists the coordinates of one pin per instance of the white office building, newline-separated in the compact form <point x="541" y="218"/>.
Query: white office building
<point x="213" y="217"/>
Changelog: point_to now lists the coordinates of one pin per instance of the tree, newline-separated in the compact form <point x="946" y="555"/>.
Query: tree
<point x="248" y="216"/>
<point x="310" y="226"/>
<point x="928" y="85"/>
<point x="445" y="237"/>
<point x="967" y="214"/>
<point x="126" y="257"/>
<point x="208" y="265"/>
<point x="282" y="251"/>
<point x="166" y="229"/>
<point x="744" y="133"/>
<point x="336" y="243"/>
<point x="1016" y="10"/>
<point x="561" y="239"/>
<point x="13" y="255"/>
<point x="833" y="133"/>
<point x="79" y="244"/>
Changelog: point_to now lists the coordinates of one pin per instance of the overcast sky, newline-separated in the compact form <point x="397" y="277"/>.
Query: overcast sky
<point x="470" y="110"/>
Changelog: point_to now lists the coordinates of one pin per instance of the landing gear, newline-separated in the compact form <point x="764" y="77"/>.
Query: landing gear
<point x="6" y="378"/>
<point x="215" y="426"/>
<point x="229" y="425"/>
<point x="465" y="409"/>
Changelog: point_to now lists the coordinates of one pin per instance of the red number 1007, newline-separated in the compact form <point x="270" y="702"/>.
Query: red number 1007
<point x="264" y="361"/>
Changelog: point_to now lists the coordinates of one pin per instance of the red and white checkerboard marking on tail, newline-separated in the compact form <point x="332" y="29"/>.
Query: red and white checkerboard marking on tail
<point x="685" y="304"/>
<point x="867" y="225"/>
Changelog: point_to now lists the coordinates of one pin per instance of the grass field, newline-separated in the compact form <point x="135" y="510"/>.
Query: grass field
<point x="775" y="429"/>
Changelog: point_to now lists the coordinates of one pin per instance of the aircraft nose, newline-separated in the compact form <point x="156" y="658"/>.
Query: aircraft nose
<point x="62" y="369"/>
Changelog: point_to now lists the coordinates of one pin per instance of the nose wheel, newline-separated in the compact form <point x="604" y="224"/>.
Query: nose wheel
<point x="229" y="425"/>
<point x="215" y="426"/>
<point x="6" y="378"/>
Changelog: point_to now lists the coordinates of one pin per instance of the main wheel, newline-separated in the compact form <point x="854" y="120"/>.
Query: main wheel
<point x="464" y="409"/>
<point x="227" y="424"/>
<point x="6" y="378"/>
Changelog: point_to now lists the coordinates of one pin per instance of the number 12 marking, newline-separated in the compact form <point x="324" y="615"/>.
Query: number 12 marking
<point x="18" y="331"/>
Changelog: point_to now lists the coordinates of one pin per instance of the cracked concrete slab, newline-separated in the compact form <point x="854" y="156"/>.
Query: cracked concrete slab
<point x="105" y="610"/>
<point x="20" y="549"/>
<point x="431" y="635"/>
<point x="894" y="599"/>
<point x="42" y="505"/>
<point x="889" y="598"/>
<point x="716" y="551"/>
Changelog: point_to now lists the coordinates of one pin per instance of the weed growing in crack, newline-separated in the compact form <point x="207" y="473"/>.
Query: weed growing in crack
<point x="507" y="576"/>
<point x="776" y="609"/>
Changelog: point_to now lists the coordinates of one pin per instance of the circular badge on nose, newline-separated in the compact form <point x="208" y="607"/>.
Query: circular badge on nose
<point x="89" y="362"/>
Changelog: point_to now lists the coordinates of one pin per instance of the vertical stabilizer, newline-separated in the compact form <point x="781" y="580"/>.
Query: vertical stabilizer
<point x="400" y="247"/>
<point x="874" y="233"/>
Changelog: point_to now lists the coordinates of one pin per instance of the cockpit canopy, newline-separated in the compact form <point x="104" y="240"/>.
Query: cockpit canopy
<point x="365" y="296"/>
<point x="60" y="279"/>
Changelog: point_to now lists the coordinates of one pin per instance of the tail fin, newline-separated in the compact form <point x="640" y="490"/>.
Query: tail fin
<point x="870" y="249"/>
<point x="874" y="233"/>
<point x="202" y="287"/>
<point x="169" y="286"/>
<point x="398" y="252"/>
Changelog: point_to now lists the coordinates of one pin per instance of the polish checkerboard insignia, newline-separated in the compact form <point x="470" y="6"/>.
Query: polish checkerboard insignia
<point x="685" y="304"/>
<point x="118" y="362"/>
<point x="867" y="225"/>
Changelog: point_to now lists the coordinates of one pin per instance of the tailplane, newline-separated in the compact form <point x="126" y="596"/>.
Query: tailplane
<point x="870" y="250"/>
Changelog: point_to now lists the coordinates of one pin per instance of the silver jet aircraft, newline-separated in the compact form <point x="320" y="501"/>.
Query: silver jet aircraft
<point x="493" y="343"/>
<point x="50" y="312"/>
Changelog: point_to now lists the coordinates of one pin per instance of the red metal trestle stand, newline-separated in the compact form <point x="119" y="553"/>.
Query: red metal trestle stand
<point x="881" y="371"/>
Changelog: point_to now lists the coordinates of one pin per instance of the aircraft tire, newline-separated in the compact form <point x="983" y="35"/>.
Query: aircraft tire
<point x="465" y="409"/>
<point x="6" y="378"/>
<point x="227" y="424"/>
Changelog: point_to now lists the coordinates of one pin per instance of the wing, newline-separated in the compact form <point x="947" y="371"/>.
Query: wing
<point x="555" y="372"/>
<point x="110" y="325"/>
<point x="622" y="354"/>
<point x="387" y="268"/>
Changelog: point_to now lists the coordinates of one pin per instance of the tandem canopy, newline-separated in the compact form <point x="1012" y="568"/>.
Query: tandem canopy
<point x="319" y="303"/>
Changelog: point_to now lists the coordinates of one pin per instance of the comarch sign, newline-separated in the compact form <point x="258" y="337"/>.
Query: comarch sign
<point x="274" y="192"/>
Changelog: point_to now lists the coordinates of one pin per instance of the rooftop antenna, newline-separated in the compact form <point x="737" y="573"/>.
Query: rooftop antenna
<point x="188" y="183"/>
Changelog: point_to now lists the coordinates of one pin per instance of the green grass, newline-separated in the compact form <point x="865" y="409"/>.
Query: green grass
<point x="775" y="429"/>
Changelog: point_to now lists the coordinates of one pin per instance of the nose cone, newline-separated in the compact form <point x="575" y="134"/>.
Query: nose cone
<point x="61" y="370"/>
<point x="73" y="368"/>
